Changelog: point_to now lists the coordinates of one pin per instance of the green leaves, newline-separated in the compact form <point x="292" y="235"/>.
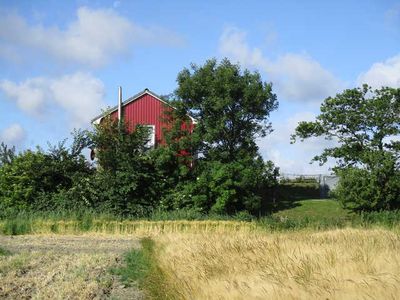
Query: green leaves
<point x="231" y="106"/>
<point x="212" y="166"/>
<point x="365" y="124"/>
<point x="369" y="190"/>
<point x="127" y="181"/>
<point x="360" y="120"/>
<point x="31" y="179"/>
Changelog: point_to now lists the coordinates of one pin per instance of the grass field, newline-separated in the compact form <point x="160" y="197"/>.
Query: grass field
<point x="314" y="208"/>
<point x="314" y="250"/>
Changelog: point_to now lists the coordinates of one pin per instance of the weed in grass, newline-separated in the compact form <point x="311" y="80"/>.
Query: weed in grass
<point x="17" y="226"/>
<point x="4" y="252"/>
<point x="54" y="227"/>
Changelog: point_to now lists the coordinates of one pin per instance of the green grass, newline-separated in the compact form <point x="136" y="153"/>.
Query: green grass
<point x="140" y="266"/>
<point x="311" y="213"/>
<point x="16" y="226"/>
<point x="137" y="265"/>
<point x="314" y="209"/>
<point x="4" y="252"/>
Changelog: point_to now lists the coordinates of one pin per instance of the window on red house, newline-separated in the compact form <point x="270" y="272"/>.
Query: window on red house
<point x="152" y="136"/>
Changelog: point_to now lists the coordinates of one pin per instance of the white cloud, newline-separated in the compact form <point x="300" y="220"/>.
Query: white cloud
<point x="296" y="77"/>
<point x="295" y="164"/>
<point x="29" y="95"/>
<point x="380" y="74"/>
<point x="294" y="158"/>
<point x="13" y="135"/>
<point x="299" y="77"/>
<point x="80" y="95"/>
<point x="233" y="43"/>
<point x="92" y="39"/>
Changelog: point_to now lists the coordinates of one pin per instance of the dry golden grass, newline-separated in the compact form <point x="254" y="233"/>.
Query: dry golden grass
<point x="140" y="228"/>
<point x="64" y="267"/>
<point x="205" y="260"/>
<point x="337" y="264"/>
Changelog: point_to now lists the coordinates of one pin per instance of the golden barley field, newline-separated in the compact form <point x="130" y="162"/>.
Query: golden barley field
<point x="205" y="260"/>
<point x="336" y="264"/>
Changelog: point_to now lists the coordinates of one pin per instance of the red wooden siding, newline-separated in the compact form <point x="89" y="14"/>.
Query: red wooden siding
<point x="146" y="110"/>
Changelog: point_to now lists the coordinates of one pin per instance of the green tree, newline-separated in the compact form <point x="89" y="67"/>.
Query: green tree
<point x="126" y="181"/>
<point x="231" y="108"/>
<point x="365" y="124"/>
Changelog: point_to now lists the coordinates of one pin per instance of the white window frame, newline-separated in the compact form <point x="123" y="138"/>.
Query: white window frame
<point x="151" y="143"/>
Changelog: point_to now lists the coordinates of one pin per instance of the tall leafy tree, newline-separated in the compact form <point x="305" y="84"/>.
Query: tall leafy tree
<point x="365" y="123"/>
<point x="231" y="107"/>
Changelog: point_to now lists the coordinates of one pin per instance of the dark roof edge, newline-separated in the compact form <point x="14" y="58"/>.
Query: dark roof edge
<point x="129" y="100"/>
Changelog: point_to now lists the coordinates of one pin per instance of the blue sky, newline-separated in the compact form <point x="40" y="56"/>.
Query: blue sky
<point x="61" y="62"/>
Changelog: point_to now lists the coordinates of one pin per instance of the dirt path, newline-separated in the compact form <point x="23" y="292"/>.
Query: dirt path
<point x="64" y="266"/>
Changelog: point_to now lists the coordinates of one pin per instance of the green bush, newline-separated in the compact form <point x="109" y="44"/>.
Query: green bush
<point x="225" y="188"/>
<point x="244" y="216"/>
<point x="33" y="179"/>
<point x="366" y="190"/>
<point x="126" y="181"/>
<point x="17" y="226"/>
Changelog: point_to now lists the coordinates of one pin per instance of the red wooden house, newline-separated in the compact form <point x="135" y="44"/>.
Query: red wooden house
<point x="145" y="108"/>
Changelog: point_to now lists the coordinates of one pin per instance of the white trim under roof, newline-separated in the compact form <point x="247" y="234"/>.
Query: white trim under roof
<point x="97" y="119"/>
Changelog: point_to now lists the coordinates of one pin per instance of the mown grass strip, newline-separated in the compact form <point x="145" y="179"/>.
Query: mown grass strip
<point x="141" y="267"/>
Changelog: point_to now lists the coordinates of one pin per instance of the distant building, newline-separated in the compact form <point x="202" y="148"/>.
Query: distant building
<point x="146" y="109"/>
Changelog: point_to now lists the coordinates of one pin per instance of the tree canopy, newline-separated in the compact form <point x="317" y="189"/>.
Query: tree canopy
<point x="365" y="125"/>
<point x="231" y="106"/>
<point x="363" y="121"/>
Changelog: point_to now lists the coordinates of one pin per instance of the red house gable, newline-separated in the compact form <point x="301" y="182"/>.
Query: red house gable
<point x="145" y="108"/>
